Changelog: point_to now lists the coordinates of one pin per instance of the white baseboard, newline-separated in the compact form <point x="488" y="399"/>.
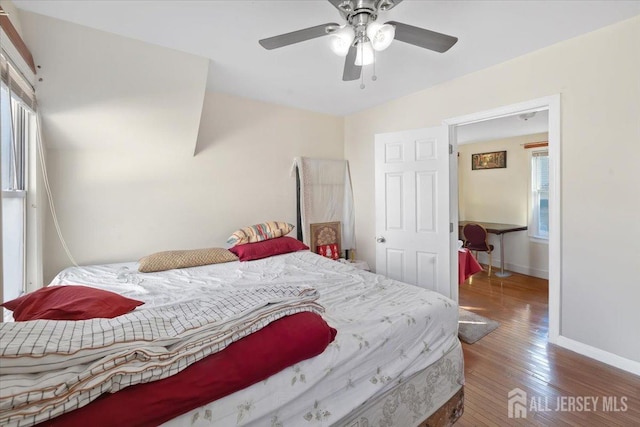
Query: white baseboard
<point x="522" y="269"/>
<point x="529" y="271"/>
<point x="562" y="341"/>
<point x="600" y="355"/>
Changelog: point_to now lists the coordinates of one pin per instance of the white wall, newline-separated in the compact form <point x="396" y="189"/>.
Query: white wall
<point x="121" y="123"/>
<point x="502" y="195"/>
<point x="597" y="77"/>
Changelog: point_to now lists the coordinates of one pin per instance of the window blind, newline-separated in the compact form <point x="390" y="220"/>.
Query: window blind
<point x="12" y="49"/>
<point x="17" y="84"/>
<point x="10" y="33"/>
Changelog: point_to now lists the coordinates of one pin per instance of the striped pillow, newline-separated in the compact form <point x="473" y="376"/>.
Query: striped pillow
<point x="260" y="232"/>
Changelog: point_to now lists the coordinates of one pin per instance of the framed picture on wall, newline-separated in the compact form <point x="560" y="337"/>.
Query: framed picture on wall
<point x="492" y="160"/>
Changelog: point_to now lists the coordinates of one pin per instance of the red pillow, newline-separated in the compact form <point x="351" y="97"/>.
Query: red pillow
<point x="267" y="248"/>
<point x="70" y="303"/>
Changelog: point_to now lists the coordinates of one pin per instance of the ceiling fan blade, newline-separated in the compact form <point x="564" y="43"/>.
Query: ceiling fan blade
<point x="423" y="38"/>
<point x="297" y="36"/>
<point x="351" y="70"/>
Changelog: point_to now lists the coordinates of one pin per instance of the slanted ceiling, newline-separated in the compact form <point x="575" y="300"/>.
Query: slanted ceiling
<point x="100" y="91"/>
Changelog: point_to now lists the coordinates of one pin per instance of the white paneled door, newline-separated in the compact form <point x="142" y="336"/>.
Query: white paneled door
<point x="412" y="207"/>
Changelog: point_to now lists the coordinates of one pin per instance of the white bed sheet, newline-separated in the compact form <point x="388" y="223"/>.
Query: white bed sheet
<point x="387" y="331"/>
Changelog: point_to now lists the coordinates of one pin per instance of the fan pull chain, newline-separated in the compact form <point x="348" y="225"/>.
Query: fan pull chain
<point x="362" y="86"/>
<point x="373" y="76"/>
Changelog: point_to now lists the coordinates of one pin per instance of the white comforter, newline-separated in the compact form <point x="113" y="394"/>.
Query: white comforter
<point x="387" y="331"/>
<point x="51" y="367"/>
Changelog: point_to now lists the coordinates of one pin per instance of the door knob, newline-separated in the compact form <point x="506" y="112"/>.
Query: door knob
<point x="381" y="239"/>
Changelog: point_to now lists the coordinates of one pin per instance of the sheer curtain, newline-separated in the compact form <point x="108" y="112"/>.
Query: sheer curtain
<point x="326" y="195"/>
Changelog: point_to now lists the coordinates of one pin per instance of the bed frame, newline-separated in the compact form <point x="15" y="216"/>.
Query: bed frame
<point x="445" y="416"/>
<point x="448" y="413"/>
<point x="433" y="397"/>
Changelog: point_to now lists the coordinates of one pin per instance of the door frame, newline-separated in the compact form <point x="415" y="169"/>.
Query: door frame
<point x="552" y="105"/>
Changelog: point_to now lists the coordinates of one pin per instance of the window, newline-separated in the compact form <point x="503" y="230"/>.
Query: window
<point x="14" y="192"/>
<point x="16" y="136"/>
<point x="539" y="212"/>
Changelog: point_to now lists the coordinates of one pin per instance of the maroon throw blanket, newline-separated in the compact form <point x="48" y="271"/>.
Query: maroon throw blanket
<point x="254" y="358"/>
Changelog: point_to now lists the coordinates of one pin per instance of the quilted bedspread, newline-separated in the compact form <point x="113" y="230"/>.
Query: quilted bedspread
<point x="50" y="367"/>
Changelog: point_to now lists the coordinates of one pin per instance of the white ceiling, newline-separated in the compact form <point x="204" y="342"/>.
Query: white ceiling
<point x="502" y="128"/>
<point x="308" y="75"/>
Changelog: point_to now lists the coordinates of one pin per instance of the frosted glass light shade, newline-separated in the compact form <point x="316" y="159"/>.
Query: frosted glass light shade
<point x="381" y="35"/>
<point x="340" y="40"/>
<point x="364" y="54"/>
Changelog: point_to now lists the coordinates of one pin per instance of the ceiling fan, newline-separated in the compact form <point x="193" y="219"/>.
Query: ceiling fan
<point x="361" y="35"/>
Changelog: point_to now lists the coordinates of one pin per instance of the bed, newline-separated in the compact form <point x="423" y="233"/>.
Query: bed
<point x="395" y="361"/>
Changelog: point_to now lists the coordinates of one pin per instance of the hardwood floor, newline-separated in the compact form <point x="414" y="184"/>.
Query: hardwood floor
<point x="517" y="355"/>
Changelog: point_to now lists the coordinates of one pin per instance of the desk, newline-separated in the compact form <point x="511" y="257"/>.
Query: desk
<point x="467" y="265"/>
<point x="500" y="230"/>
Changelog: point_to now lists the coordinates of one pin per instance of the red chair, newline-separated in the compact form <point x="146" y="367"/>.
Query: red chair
<point x="476" y="240"/>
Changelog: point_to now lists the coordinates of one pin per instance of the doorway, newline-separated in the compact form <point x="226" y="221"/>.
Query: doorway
<point x="552" y="105"/>
<point x="510" y="194"/>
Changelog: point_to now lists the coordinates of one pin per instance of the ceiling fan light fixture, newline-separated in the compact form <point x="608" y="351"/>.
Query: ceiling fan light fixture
<point x="341" y="40"/>
<point x="362" y="36"/>
<point x="364" y="55"/>
<point x="381" y="35"/>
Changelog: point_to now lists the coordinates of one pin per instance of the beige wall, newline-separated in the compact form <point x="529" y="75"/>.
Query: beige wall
<point x="248" y="148"/>
<point x="114" y="112"/>
<point x="502" y="195"/>
<point x="121" y="122"/>
<point x="119" y="205"/>
<point x="597" y="77"/>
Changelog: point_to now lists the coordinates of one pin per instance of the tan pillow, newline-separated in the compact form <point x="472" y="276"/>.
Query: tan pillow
<point x="169" y="260"/>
